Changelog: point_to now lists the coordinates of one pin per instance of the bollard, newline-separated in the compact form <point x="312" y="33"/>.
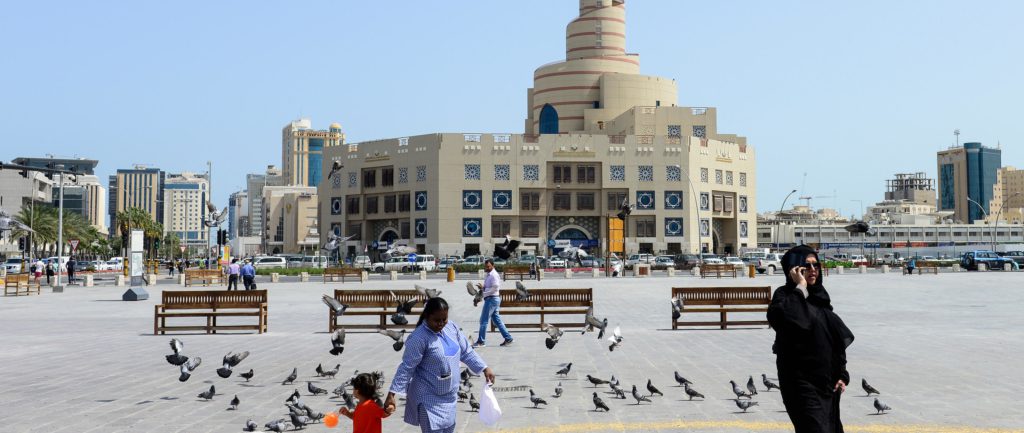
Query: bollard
<point x="695" y="271"/>
<point x="840" y="270"/>
<point x="751" y="270"/>
<point x="394" y="275"/>
<point x="1007" y="267"/>
<point x="671" y="271"/>
<point x="119" y="280"/>
<point x="181" y="280"/>
<point x="956" y="267"/>
<point x="982" y="267"/>
<point x="641" y="270"/>
<point x="540" y="274"/>
<point x="303" y="277"/>
<point x="150" y="279"/>
<point x="275" y="277"/>
<point x="885" y="269"/>
<point x="88" y="281"/>
<point x="423" y="275"/>
<point x="481" y="274"/>
<point x="595" y="272"/>
<point x="363" y="276"/>
<point x="863" y="269"/>
<point x="451" y="274"/>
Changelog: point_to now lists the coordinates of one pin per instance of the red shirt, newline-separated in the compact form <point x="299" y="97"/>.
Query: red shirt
<point x="367" y="418"/>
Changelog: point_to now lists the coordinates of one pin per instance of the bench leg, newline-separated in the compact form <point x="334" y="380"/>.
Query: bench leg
<point x="723" y="319"/>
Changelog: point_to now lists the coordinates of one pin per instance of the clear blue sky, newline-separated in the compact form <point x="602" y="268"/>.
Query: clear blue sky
<point x="848" y="92"/>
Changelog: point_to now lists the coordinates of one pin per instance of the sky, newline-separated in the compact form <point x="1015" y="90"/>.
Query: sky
<point x="835" y="97"/>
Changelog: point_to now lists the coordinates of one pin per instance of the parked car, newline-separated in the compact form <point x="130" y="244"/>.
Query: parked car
<point x="663" y="262"/>
<point x="891" y="259"/>
<point x="736" y="262"/>
<point x="858" y="260"/>
<point x="474" y="260"/>
<point x="445" y="262"/>
<point x="639" y="258"/>
<point x="270" y="262"/>
<point x="770" y="261"/>
<point x="116" y="263"/>
<point x="1017" y="256"/>
<point x="971" y="259"/>
<point x="425" y="262"/>
<point x="712" y="259"/>
<point x="556" y="262"/>
<point x="315" y="262"/>
<point x="686" y="261"/>
<point x="13" y="265"/>
<point x="362" y="262"/>
<point x="592" y="262"/>
<point x="525" y="259"/>
<point x="101" y="265"/>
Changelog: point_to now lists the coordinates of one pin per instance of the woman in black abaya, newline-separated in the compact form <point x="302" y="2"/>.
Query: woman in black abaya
<point x="810" y="345"/>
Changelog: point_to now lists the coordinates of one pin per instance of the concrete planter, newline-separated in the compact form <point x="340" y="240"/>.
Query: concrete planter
<point x="695" y="271"/>
<point x="364" y="276"/>
<point x="982" y="267"/>
<point x="1007" y="267"/>
<point x="596" y="273"/>
<point x="956" y="267"/>
<point x="423" y="275"/>
<point x="641" y="271"/>
<point x="181" y="280"/>
<point x="540" y="274"/>
<point x="150" y="279"/>
<point x="840" y="270"/>
<point x="885" y="269"/>
<point x="481" y="274"/>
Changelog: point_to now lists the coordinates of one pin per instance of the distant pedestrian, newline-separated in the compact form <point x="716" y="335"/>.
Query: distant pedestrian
<point x="72" y="264"/>
<point x="181" y="266"/>
<point x="49" y="271"/>
<point x="170" y="267"/>
<point x="911" y="264"/>
<point x="37" y="269"/>
<point x="248" y="273"/>
<point x="492" y="305"/>
<point x="233" y="270"/>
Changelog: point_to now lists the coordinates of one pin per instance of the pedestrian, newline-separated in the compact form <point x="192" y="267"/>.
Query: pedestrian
<point x="233" y="269"/>
<point x="71" y="270"/>
<point x="911" y="264"/>
<point x="429" y="372"/>
<point x="181" y="266"/>
<point x="492" y="306"/>
<point x="810" y="345"/>
<point x="49" y="270"/>
<point x="248" y="273"/>
<point x="36" y="270"/>
<point x="170" y="268"/>
<point x="367" y="416"/>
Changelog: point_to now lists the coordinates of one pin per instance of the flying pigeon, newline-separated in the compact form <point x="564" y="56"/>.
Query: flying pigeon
<point x="247" y="376"/>
<point x="230" y="361"/>
<point x="553" y="335"/>
<point x="521" y="292"/>
<point x="738" y="391"/>
<point x="477" y="294"/>
<point x="188" y="367"/>
<point x="399" y="319"/>
<point x="315" y="390"/>
<point x="615" y="338"/>
<point x="744" y="404"/>
<point x="234" y="403"/>
<point x="426" y="292"/>
<point x="336" y="166"/>
<point x="399" y="338"/>
<point x="682" y="380"/>
<point x="751" y="389"/>
<point x="558" y="390"/>
<point x="592" y="322"/>
<point x="250" y="425"/>
<point x="768" y="385"/>
<point x="176" y="358"/>
<point x="596" y="381"/>
<point x="334" y="241"/>
<point x="6" y="221"/>
<point x="638" y="397"/>
<point x="565" y="370"/>
<point x="692" y="392"/>
<point x="651" y="389"/>
<point x="881" y="407"/>
<point x="868" y="388"/>
<point x="599" y="404"/>
<point x="407" y="306"/>
<point x="208" y="394"/>
<point x="506" y="249"/>
<point x="473" y="404"/>
<point x="338" y="342"/>
<point x="291" y="377"/>
<point x="677" y="308"/>
<point x="336" y="306"/>
<point x="536" y="400"/>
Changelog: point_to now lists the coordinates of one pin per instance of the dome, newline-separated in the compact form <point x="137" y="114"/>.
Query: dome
<point x="335" y="125"/>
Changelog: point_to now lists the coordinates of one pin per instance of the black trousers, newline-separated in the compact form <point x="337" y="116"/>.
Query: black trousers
<point x="811" y="409"/>
<point x="248" y="282"/>
<point x="233" y="281"/>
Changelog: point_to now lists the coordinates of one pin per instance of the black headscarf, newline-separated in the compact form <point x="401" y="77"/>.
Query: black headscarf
<point x="816" y="293"/>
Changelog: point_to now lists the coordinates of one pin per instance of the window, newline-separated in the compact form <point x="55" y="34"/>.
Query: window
<point x="500" y="228"/>
<point x="562" y="201"/>
<point x="615" y="200"/>
<point x="645" y="227"/>
<point x="719" y="203"/>
<point x="354" y="230"/>
<point x="352" y="205"/>
<point x="371" y="205"/>
<point x="529" y="229"/>
<point x="743" y="179"/>
<point x="704" y="175"/>
<point x="563" y="174"/>
<point x="586" y="174"/>
<point x="369" y="178"/>
<point x="404" y="228"/>
<point x="530" y="201"/>
<point x="390" y="205"/>
<point x="728" y="177"/>
<point x="585" y="201"/>
<point x="387" y="176"/>
<point x="403" y="202"/>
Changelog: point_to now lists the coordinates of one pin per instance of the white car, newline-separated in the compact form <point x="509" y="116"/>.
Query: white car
<point x="639" y="258"/>
<point x="713" y="261"/>
<point x="736" y="262"/>
<point x="556" y="262"/>
<point x="400" y="264"/>
<point x="269" y="262"/>
<point x="13" y="265"/>
<point x="362" y="262"/>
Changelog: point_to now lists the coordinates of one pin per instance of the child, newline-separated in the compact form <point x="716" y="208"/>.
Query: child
<point x="367" y="416"/>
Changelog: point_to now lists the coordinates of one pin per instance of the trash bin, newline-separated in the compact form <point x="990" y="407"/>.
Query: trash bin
<point x="451" y="274"/>
<point x="751" y="271"/>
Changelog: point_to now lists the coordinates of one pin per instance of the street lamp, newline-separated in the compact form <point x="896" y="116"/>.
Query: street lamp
<point x="982" y="208"/>
<point x="778" y="224"/>
<point x="696" y="206"/>
<point x="996" y="228"/>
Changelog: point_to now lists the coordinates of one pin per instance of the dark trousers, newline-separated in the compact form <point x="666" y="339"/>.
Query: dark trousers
<point x="248" y="282"/>
<point x="71" y="277"/>
<point x="233" y="281"/>
<point x="811" y="409"/>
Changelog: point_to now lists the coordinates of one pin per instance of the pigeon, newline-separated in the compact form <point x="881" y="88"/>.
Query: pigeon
<point x="536" y="400"/>
<point x="338" y="342"/>
<point x="751" y="389"/>
<point x="315" y="390"/>
<point x="591" y="322"/>
<point x="599" y="404"/>
<point x="427" y="293"/>
<point x="615" y="338"/>
<point x="473" y="404"/>
<point x="521" y="292"/>
<point x="176" y="358"/>
<point x="399" y="338"/>
<point x="692" y="392"/>
<point x="638" y="397"/>
<point x="738" y="391"/>
<point x="565" y="371"/>
<point x="336" y="166"/>
<point x="682" y="380"/>
<point x="558" y="390"/>
<point x="399" y="319"/>
<point x="250" y="425"/>
<point x="291" y="377"/>
<point x="677" y="308"/>
<point x="230" y="361"/>
<point x="868" y="388"/>
<point x="188" y="367"/>
<point x="294" y="397"/>
<point x="277" y="425"/>
<point x="476" y="293"/>
<point x="334" y="241"/>
<point x="744" y="404"/>
<point x="506" y="249"/>
<point x="553" y="335"/>
<point x="463" y="394"/>
<point x="336" y="306"/>
<point x="234" y="403"/>
<point x="596" y="381"/>
<point x="299" y="421"/>
<point x="247" y="375"/>
<point x="651" y="389"/>
<point x="613" y="381"/>
<point x="768" y="385"/>
<point x="342" y="392"/>
<point x="320" y="370"/>
<point x="208" y="394"/>
<point x="881" y="407"/>
<point x="619" y="393"/>
<point x="314" y="416"/>
<point x="407" y="306"/>
<point x="331" y="373"/>
<point x="294" y="410"/>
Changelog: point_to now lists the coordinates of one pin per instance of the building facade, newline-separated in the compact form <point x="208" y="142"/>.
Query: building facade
<point x="238" y="214"/>
<point x="906" y="195"/>
<point x="966" y="177"/>
<point x="185" y="211"/>
<point x="255" y="183"/>
<point x="920" y="238"/>
<point x="302" y="150"/>
<point x="291" y="220"/>
<point x="1008" y="196"/>
<point x="140" y="187"/>
<point x="83" y="193"/>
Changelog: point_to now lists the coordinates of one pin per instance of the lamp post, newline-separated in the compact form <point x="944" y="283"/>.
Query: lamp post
<point x="778" y="224"/>
<point x="982" y="208"/>
<point x="996" y="228"/>
<point x="696" y="206"/>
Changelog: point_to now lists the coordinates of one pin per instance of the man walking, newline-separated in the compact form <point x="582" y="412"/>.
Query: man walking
<point x="233" y="271"/>
<point x="492" y="303"/>
<point x="248" y="275"/>
<point x="71" y="270"/>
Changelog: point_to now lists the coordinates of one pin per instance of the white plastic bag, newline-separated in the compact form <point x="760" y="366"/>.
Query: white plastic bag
<point x="490" y="412"/>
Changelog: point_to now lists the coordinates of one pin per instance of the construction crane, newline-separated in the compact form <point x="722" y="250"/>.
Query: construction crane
<point x="807" y="199"/>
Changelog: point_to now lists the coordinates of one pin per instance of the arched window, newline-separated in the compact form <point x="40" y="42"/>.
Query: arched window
<point x="548" y="120"/>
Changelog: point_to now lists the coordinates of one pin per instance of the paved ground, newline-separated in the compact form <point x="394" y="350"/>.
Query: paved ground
<point x="944" y="351"/>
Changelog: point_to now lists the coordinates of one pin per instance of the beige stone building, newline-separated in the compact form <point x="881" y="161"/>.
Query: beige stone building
<point x="597" y="134"/>
<point x="185" y="212"/>
<point x="1008" y="196"/>
<point x="291" y="220"/>
<point x="302" y="151"/>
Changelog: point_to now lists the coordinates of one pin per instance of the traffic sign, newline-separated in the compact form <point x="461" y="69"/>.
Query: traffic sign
<point x="74" y="244"/>
<point x="412" y="257"/>
<point x="182" y="248"/>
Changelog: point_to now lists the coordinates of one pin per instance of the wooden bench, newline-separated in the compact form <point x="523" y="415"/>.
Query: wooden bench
<point x="211" y="304"/>
<point x="379" y="303"/>
<point x="546" y="302"/>
<point x="333" y="274"/>
<point x="517" y="270"/>
<point x="207" y="276"/>
<point x="722" y="300"/>
<point x="718" y="270"/>
<point x="924" y="266"/>
<point x="14" y="283"/>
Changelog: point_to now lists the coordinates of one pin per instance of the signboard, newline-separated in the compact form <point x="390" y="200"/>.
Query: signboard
<point x="412" y="257"/>
<point x="136" y="241"/>
<point x="182" y="249"/>
<point x="562" y="243"/>
<point x="74" y="244"/>
<point x="616" y="236"/>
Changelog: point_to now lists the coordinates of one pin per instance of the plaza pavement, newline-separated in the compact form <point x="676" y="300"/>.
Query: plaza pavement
<point x="944" y="351"/>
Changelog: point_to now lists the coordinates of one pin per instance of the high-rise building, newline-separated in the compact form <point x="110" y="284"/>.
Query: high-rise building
<point x="254" y="186"/>
<point x="302" y="151"/>
<point x="238" y="214"/>
<point x="185" y="212"/>
<point x="138" y="187"/>
<point x="1008" y="196"/>
<point x="966" y="177"/>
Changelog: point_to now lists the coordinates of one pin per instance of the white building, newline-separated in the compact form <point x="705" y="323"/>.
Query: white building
<point x="185" y="197"/>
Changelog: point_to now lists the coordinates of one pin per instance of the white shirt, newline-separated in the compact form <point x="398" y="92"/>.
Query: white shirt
<point x="492" y="283"/>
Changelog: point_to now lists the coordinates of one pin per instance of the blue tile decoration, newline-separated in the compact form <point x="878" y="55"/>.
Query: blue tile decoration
<point x="646" y="173"/>
<point x="472" y="227"/>
<point x="336" y="205"/>
<point x="675" y="131"/>
<point x="618" y="173"/>
<point x="673" y="226"/>
<point x="472" y="171"/>
<point x="353" y="180"/>
<point x="743" y="204"/>
<point x="421" y="200"/>
<point x="472" y="199"/>
<point x="645" y="200"/>
<point x="705" y="227"/>
<point x="421" y="227"/>
<point x="421" y="173"/>
<point x="743" y="229"/>
<point x="700" y="131"/>
<point x="403" y="175"/>
<point x="673" y="173"/>
<point x="705" y="201"/>
<point x="502" y="172"/>
<point x="704" y="175"/>
<point x="673" y="199"/>
<point x="531" y="172"/>
<point x="501" y="199"/>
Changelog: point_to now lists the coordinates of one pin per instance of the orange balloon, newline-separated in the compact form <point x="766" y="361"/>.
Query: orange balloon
<point x="331" y="419"/>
